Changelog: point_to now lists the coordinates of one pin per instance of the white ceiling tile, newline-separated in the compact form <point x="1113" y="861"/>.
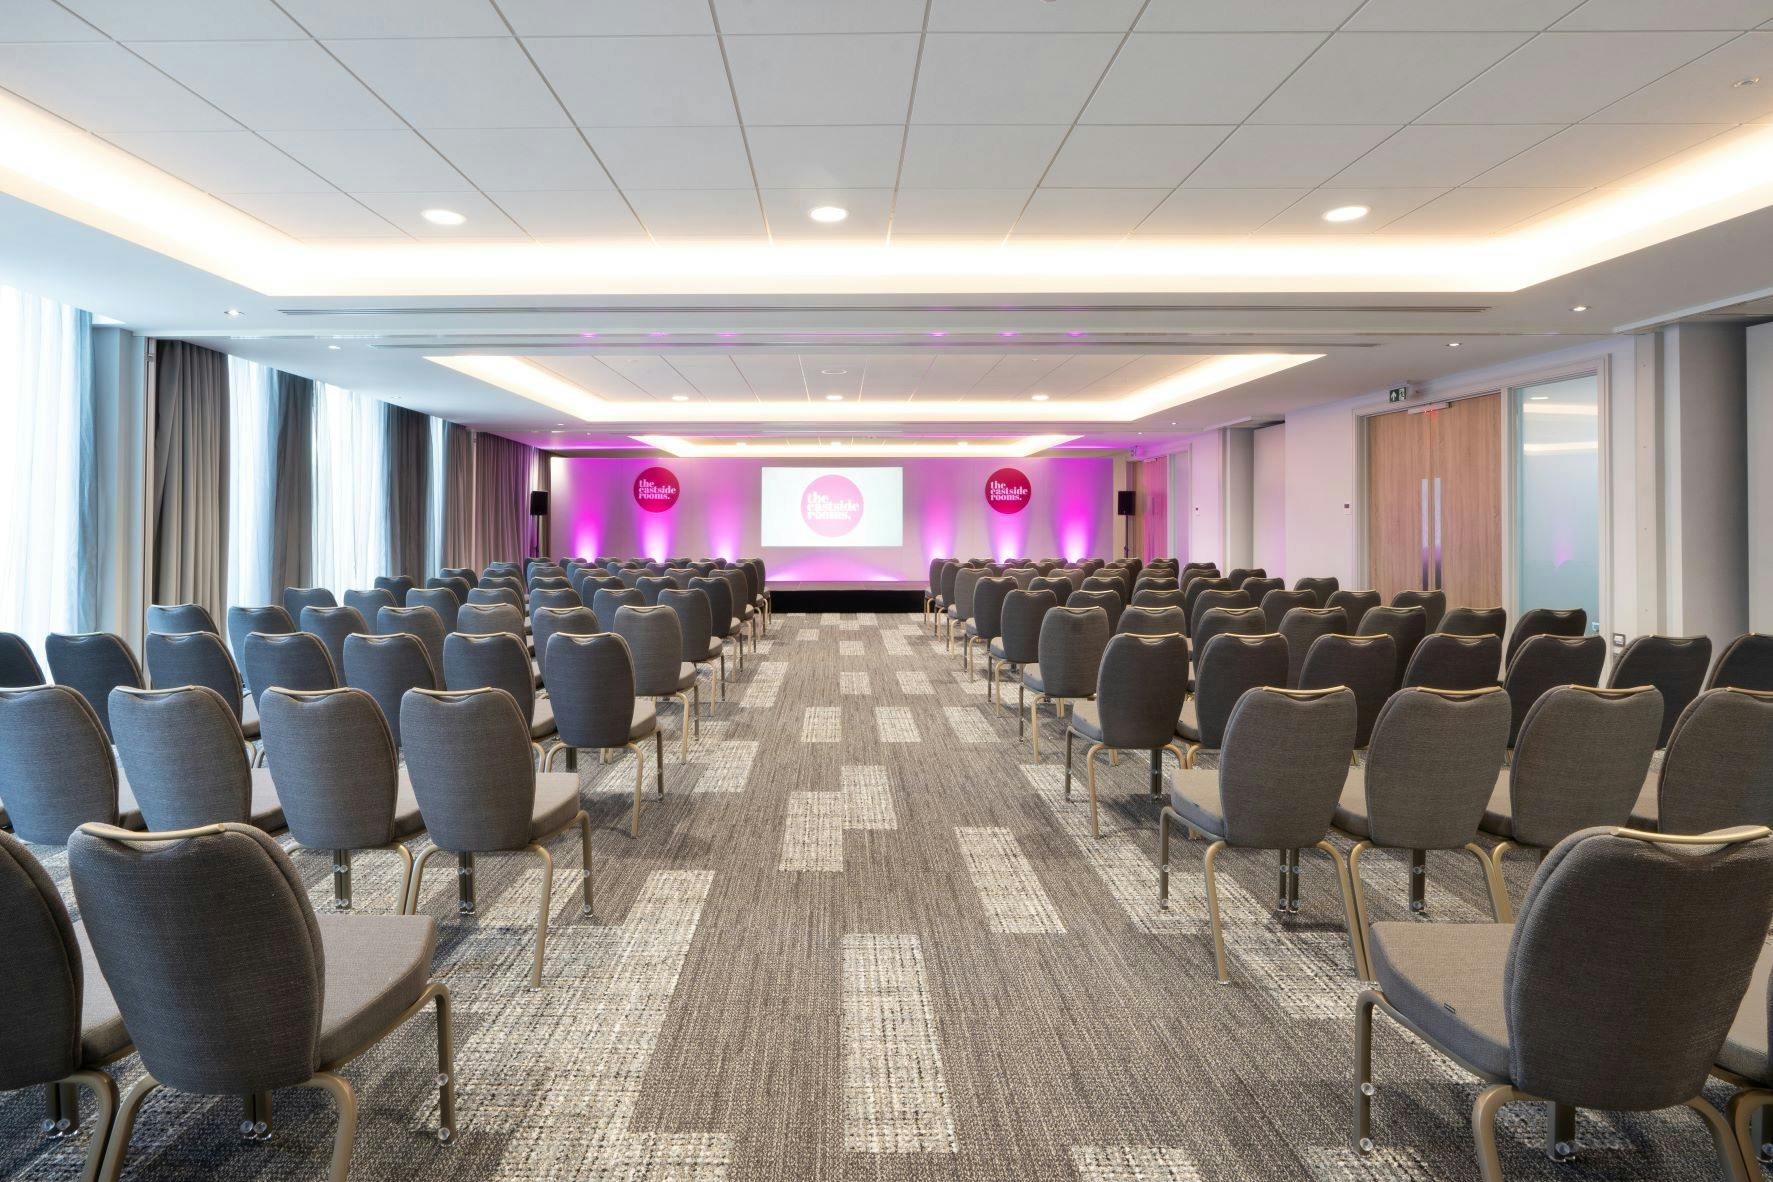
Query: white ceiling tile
<point x="1196" y="77"/>
<point x="895" y="376"/>
<point x="372" y="161"/>
<point x="285" y="85"/>
<point x="1704" y="91"/>
<point x="672" y="157"/>
<point x="221" y="161"/>
<point x="1669" y="14"/>
<point x="522" y="158"/>
<point x="834" y="78"/>
<point x="1480" y="211"/>
<point x="607" y="18"/>
<point x="977" y="157"/>
<point x="1190" y="16"/>
<point x="397" y="18"/>
<point x="103" y="87"/>
<point x="1081" y="371"/>
<point x="772" y="375"/>
<point x="1565" y="77"/>
<point x="637" y="81"/>
<point x="1206" y="212"/>
<point x="1011" y="77"/>
<point x="591" y="214"/>
<point x="1382" y="77"/>
<point x="1406" y="16"/>
<point x="699" y="213"/>
<point x="180" y="20"/>
<point x="423" y="79"/>
<point x="936" y="213"/>
<point x="1285" y="157"/>
<point x="652" y="373"/>
<point x="712" y="376"/>
<point x="1306" y="216"/>
<point x="819" y="16"/>
<point x="870" y="210"/>
<point x="1442" y="155"/>
<point x="1591" y="154"/>
<point x="1004" y="16"/>
<point x="954" y="375"/>
<point x="809" y="157"/>
<point x="591" y="373"/>
<point x="44" y="20"/>
<point x="485" y="220"/>
<point x="1125" y="156"/>
<point x="316" y="215"/>
<point x="1065" y="212"/>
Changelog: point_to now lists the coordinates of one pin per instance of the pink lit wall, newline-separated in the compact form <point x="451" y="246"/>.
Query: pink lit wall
<point x="1070" y="515"/>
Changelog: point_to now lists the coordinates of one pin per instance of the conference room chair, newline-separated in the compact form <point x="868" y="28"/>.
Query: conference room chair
<point x="1675" y="665"/>
<point x="296" y="598"/>
<point x="1140" y="686"/>
<point x="487" y="596"/>
<point x="559" y="597"/>
<point x="185" y="759"/>
<point x="756" y="596"/>
<point x="1356" y="603"/>
<point x="650" y="587"/>
<point x="1432" y="603"/>
<point x="464" y="573"/>
<point x="1159" y="582"/>
<point x="1090" y="566"/>
<point x="1545" y="662"/>
<point x="1193" y="591"/>
<point x="987" y="619"/>
<point x="185" y="972"/>
<point x="332" y="625"/>
<point x="1745" y="663"/>
<point x="1277" y="603"/>
<point x="291" y="660"/>
<point x="18" y="664"/>
<point x="480" y="793"/>
<point x="745" y="611"/>
<point x="1717" y="770"/>
<point x="1110" y="584"/>
<point x="396" y="585"/>
<point x="1301" y="628"/>
<point x="1058" y="588"/>
<point x="1544" y="621"/>
<point x="1429" y="772"/>
<point x="421" y="622"/>
<point x="655" y="644"/>
<point x="1239" y="621"/>
<point x="1475" y="621"/>
<point x="1195" y="574"/>
<point x="1320" y="588"/>
<point x="93" y="664"/>
<point x="1150" y="621"/>
<point x="1108" y="601"/>
<point x="541" y="582"/>
<point x="58" y="1020"/>
<point x="180" y="617"/>
<point x="606" y="602"/>
<point x="57" y="766"/>
<point x="200" y="658"/>
<point x="946" y="575"/>
<point x="1075" y="575"/>
<point x="499" y="661"/>
<point x="1365" y="664"/>
<point x="655" y="568"/>
<point x="1018" y="643"/>
<point x="1238" y="574"/>
<point x="386" y="667"/>
<point x="596" y="708"/>
<point x="1580" y="760"/>
<point x="630" y="575"/>
<point x="1022" y="576"/>
<point x="546" y="621"/>
<point x="1615" y="991"/>
<point x="507" y="583"/>
<point x="695" y="620"/>
<point x="1226" y="668"/>
<point x="370" y="601"/>
<point x="1072" y="641"/>
<point x="723" y="624"/>
<point x="966" y="580"/>
<point x="440" y="600"/>
<point x="1281" y="767"/>
<point x="1257" y="588"/>
<point x="590" y="581"/>
<point x="339" y="780"/>
<point x="1448" y="662"/>
<point x="932" y="591"/>
<point x="244" y="621"/>
<point x="1405" y="625"/>
<point x="1746" y="1063"/>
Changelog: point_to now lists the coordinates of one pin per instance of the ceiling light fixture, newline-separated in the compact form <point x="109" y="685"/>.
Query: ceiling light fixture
<point x="442" y="217"/>
<point x="1040" y="397"/>
<point x="1578" y="307"/>
<point x="837" y="443"/>
<point x="1452" y="344"/>
<point x="334" y="348"/>
<point x="833" y="371"/>
<point x="680" y="398"/>
<point x="960" y="443"/>
<point x="828" y="213"/>
<point x="1751" y="80"/>
<point x="834" y="398"/>
<point x="232" y="312"/>
<point x="1347" y="213"/>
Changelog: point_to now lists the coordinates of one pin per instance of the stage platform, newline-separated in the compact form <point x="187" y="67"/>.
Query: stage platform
<point x="846" y="597"/>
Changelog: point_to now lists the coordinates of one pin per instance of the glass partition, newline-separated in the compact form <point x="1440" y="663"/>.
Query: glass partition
<point x="1557" y="501"/>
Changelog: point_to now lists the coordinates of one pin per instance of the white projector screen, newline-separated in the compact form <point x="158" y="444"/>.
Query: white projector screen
<point x="833" y="506"/>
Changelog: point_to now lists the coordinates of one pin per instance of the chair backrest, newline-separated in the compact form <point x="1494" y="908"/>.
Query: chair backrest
<point x="1058" y="588"/>
<point x="694" y="618"/>
<point x="1405" y="625"/>
<point x="41" y="994"/>
<point x="496" y="661"/>
<point x="290" y="660"/>
<point x="1302" y="626"/>
<point x="194" y="658"/>
<point x="1108" y="583"/>
<point x="945" y="579"/>
<point x="1276" y="604"/>
<point x="1745" y="663"/>
<point x="218" y="999"/>
<point x="1367" y="665"/>
<point x="1022" y="576"/>
<point x="1545" y="621"/>
<point x="1475" y="621"/>
<point x="934" y="585"/>
<point x="1239" y="621"/>
<point x="546" y="621"/>
<point x="440" y="600"/>
<point x="485" y="596"/>
<point x="1023" y="614"/>
<point x="739" y="588"/>
<point x="421" y="622"/>
<point x="184" y="755"/>
<point x="592" y="689"/>
<point x="1432" y="603"/>
<point x="1156" y="583"/>
<point x="1444" y="661"/>
<point x="93" y="663"/>
<point x="332" y="625"/>
<point x="650" y="587"/>
<point x="386" y="667"/>
<point x="370" y="601"/>
<point x="1075" y="575"/>
<point x="1356" y="603"/>
<point x="296" y="598"/>
<point x="965" y="582"/>
<point x="1150" y="621"/>
<point x="335" y="764"/>
<point x="1072" y="639"/>
<point x="1140" y="688"/>
<point x="1432" y="764"/>
<point x="556" y="597"/>
<point x="1226" y="668"/>
<point x="1196" y="573"/>
<point x="509" y="583"/>
<point x="482" y="619"/>
<point x="466" y="574"/>
<point x="720" y="603"/>
<point x="1148" y="597"/>
<point x="468" y="755"/>
<point x="1628" y="962"/>
<point x="988" y="597"/>
<point x="18" y="664"/>
<point x="1544" y="662"/>
<point x="244" y="621"/>
<point x="1282" y="764"/>
<point x="1108" y="601"/>
<point x="56" y="764"/>
<point x="1718" y="770"/>
<point x="1580" y="759"/>
<point x="1206" y="601"/>
<point x="549" y="582"/>
<point x="1321" y="589"/>
<point x="606" y="603"/>
<point x="1256" y="587"/>
<point x="396" y="585"/>
<point x="752" y="569"/>
<point x="180" y="617"/>
<point x="1675" y="665"/>
<point x="655" y="642"/>
<point x="1192" y="591"/>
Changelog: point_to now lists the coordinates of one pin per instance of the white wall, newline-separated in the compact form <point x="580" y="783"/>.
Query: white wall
<point x="1238" y="497"/>
<point x="1206" y="499"/>
<point x="1705" y="480"/>
<point x="1322" y="471"/>
<point x="1268" y="509"/>
<point x="1760" y="477"/>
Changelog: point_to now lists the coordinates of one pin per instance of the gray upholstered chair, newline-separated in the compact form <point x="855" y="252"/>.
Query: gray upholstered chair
<point x="465" y="573"/>
<point x="1365" y="664"/>
<point x="1545" y="621"/>
<point x="1239" y="621"/>
<point x="1226" y="668"/>
<point x="93" y="664"/>
<point x="549" y="582"/>
<point x="469" y="757"/>
<point x="1615" y="991"/>
<point x="987" y="620"/>
<point x="945" y="580"/>
<point x="1356" y="603"/>
<point x="700" y="646"/>
<point x="244" y="621"/>
<point x="396" y="585"/>
<point x="440" y="600"/>
<point x="370" y="602"/>
<point x="1208" y="600"/>
<point x="180" y="617"/>
<point x="724" y="625"/>
<point x="630" y="575"/>
<point x="200" y="658"/>
<point x="1238" y="574"/>
<point x="744" y="607"/>
<point x="655" y="643"/>
<point x="484" y="619"/>
<point x="1109" y="583"/>
<point x="332" y="625"/>
<point x="1321" y="589"/>
<point x="1150" y="621"/>
<point x="488" y="596"/>
<point x="1018" y="642"/>
<point x="1156" y="583"/>
<point x="1150" y="598"/>
<point x="1432" y="603"/>
<point x="1544" y="662"/>
<point x="421" y="622"/>
<point x="296" y="598"/>
<point x="595" y="707"/>
<point x="57" y="766"/>
<point x="1429" y="772"/>
<point x="1139" y="690"/>
<point x="1196" y="587"/>
<point x="18" y="664"/>
<point x="1256" y="588"/>
<point x="561" y="597"/>
<point x="1108" y="601"/>
<point x="1718" y="769"/>
<point x="546" y="621"/>
<point x="1746" y="1061"/>
<point x="58" y="1021"/>
<point x="1195" y="573"/>
<point x="1302" y="626"/>
<point x="340" y="781"/>
<point x="1580" y="760"/>
<point x="755" y="580"/>
<point x="386" y="667"/>
<point x="186" y="760"/>
<point x="1276" y="604"/>
<point x="650" y="587"/>
<point x="1058" y="588"/>
<point x="1281" y="768"/>
<point x="1675" y="665"/>
<point x="1072" y="640"/>
<point x="1745" y="663"/>
<point x="1475" y="621"/>
<point x="457" y="585"/>
<point x="1022" y="576"/>
<point x="289" y="660"/>
<point x="260" y="994"/>
<point x="1444" y="661"/>
<point x="606" y="603"/>
<point x="966" y="580"/>
<point x="1405" y="625"/>
<point x="499" y="661"/>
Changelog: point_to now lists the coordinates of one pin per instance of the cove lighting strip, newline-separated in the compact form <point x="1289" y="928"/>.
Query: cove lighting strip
<point x="781" y="449"/>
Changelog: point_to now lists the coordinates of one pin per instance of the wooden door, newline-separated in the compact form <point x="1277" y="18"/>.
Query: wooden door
<point x="1465" y="491"/>
<point x="1154" y="501"/>
<point x="1397" y="474"/>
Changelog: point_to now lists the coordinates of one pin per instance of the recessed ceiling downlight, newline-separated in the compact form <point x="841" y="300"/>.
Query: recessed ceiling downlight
<point x="1041" y="397"/>
<point x="834" y="398"/>
<point x="1347" y="213"/>
<point x="680" y="398"/>
<point x="828" y="213"/>
<point x="442" y="217"/>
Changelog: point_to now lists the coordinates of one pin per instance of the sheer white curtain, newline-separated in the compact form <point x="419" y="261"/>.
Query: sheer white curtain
<point x="40" y="365"/>
<point x="249" y="484"/>
<point x="350" y="505"/>
<point x="434" y="511"/>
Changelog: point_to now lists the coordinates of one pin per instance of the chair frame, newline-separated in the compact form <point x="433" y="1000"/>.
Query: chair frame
<point x="639" y="768"/>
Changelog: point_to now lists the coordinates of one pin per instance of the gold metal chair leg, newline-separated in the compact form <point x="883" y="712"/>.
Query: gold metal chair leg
<point x="1507" y="908"/>
<point x="1034" y="723"/>
<point x="1357" y="934"/>
<point x="1163" y="856"/>
<point x="639" y="786"/>
<point x="446" y="1065"/>
<point x="400" y="848"/>
<point x="584" y="820"/>
<point x="346" y="1136"/>
<point x="418" y="878"/>
<point x="1090" y="768"/>
<point x="1741" y="1110"/>
<point x="541" y="851"/>
<point x="1360" y="896"/>
<point x="1492" y="882"/>
<point x="1363" y="1070"/>
<point x="1213" y="912"/>
<point x="118" y="1146"/>
<point x="1724" y="1138"/>
<point x="104" y="1093"/>
<point x="1483" y="1128"/>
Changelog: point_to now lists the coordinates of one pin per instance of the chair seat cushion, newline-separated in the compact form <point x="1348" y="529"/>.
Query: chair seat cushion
<point x="1188" y="723"/>
<point x="686" y="675"/>
<point x="535" y="671"/>
<point x="1031" y="678"/>
<point x="101" y="1027"/>
<point x="1351" y="811"/>
<point x="716" y="646"/>
<point x="249" y="718"/>
<point x="267" y="810"/>
<point x="557" y="802"/>
<point x="646" y="720"/>
<point x="376" y="966"/>
<point x="1646" y="813"/>
<point x="1087" y="721"/>
<point x="541" y="723"/>
<point x="1745" y="1048"/>
<point x="1447" y="979"/>
<point x="407" y="820"/>
<point x="1499" y="813"/>
<point x="1195" y="794"/>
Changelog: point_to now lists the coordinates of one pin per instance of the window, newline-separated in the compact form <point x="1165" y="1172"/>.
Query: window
<point x="350" y="506"/>
<point x="1557" y="501"/>
<point x="250" y="468"/>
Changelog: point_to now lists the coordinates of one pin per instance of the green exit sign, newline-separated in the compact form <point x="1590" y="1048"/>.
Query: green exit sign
<point x="1398" y="393"/>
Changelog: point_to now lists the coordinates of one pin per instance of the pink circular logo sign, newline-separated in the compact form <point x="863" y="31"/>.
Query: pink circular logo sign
<point x="831" y="505"/>
<point x="1007" y="491"/>
<point x="655" y="490"/>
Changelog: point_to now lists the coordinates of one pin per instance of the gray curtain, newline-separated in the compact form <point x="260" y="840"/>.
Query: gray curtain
<point x="98" y="490"/>
<point x="502" y="524"/>
<point x="541" y="479"/>
<point x="292" y="481"/>
<point x="191" y="476"/>
<point x="407" y="458"/>
<point x="458" y="496"/>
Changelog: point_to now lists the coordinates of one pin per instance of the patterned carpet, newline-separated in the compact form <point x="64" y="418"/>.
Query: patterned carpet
<point x="864" y="937"/>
